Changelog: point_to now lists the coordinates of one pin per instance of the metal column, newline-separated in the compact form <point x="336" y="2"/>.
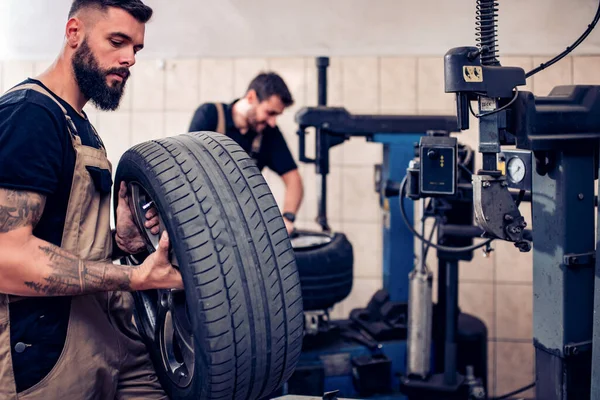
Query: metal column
<point x="563" y="275"/>
<point x="595" y="390"/>
<point x="398" y="241"/>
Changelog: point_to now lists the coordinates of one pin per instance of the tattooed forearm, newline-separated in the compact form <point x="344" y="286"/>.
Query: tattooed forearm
<point x="71" y="276"/>
<point x="19" y="208"/>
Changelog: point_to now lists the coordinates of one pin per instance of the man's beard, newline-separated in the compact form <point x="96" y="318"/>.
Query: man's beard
<point x="254" y="124"/>
<point x="92" y="79"/>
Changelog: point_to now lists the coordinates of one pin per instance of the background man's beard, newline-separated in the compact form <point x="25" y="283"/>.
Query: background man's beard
<point x="92" y="79"/>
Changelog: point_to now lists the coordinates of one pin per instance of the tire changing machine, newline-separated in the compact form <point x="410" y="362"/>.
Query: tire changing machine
<point x="365" y="356"/>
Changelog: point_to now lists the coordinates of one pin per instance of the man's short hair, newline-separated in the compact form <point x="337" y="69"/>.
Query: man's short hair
<point x="138" y="10"/>
<point x="267" y="84"/>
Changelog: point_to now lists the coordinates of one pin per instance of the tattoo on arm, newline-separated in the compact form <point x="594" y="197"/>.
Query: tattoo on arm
<point x="72" y="276"/>
<point x="19" y="209"/>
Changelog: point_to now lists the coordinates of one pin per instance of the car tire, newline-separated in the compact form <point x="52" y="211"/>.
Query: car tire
<point x="325" y="265"/>
<point x="242" y="303"/>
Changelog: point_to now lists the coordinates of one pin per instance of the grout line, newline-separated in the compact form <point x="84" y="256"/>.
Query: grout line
<point x="513" y="283"/>
<point x="417" y="111"/>
<point x="198" y="83"/>
<point x="379" y="86"/>
<point x="474" y="281"/>
<point x="572" y="69"/>
<point x="165" y="71"/>
<point x="511" y="340"/>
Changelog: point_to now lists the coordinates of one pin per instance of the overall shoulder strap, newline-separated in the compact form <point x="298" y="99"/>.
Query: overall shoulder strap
<point x="220" y="118"/>
<point x="42" y="90"/>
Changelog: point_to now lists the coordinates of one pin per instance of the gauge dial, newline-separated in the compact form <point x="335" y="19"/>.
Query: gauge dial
<point x="515" y="169"/>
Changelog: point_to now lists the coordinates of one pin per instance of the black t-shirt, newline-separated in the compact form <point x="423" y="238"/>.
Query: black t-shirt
<point x="36" y="154"/>
<point x="274" y="152"/>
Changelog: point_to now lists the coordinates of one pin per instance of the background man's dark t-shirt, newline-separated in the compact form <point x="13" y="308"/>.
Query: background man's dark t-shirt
<point x="274" y="152"/>
<point x="36" y="154"/>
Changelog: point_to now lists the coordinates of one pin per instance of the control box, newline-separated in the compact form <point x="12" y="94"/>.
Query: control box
<point x="438" y="172"/>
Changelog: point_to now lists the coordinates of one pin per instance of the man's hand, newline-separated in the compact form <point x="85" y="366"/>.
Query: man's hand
<point x="156" y="272"/>
<point x="128" y="237"/>
<point x="289" y="225"/>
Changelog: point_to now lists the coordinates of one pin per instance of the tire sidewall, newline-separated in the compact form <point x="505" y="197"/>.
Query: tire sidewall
<point x="131" y="169"/>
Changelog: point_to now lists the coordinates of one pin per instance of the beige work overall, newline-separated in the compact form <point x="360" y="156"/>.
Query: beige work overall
<point x="103" y="356"/>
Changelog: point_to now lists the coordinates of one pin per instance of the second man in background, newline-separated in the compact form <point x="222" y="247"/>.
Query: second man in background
<point x="251" y="122"/>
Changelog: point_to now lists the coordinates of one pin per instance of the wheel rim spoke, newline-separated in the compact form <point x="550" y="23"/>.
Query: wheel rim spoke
<point x="175" y="341"/>
<point x="165" y="314"/>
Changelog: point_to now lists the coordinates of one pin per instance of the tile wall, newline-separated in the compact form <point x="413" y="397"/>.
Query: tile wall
<point x="162" y="95"/>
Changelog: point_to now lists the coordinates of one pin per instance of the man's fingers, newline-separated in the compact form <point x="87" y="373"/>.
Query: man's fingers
<point x="151" y="213"/>
<point x="153" y="225"/>
<point x="163" y="244"/>
<point x="123" y="190"/>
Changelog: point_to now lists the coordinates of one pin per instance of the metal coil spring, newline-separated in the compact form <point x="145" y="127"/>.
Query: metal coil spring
<point x="486" y="31"/>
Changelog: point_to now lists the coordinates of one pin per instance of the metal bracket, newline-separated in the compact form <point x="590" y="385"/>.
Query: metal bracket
<point x="580" y="260"/>
<point x="574" y="349"/>
<point x="330" y="395"/>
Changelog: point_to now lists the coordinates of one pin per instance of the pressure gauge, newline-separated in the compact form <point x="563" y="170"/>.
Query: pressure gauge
<point x="515" y="169"/>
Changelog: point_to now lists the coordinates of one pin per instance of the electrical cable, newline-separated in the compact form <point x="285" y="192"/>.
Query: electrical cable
<point x="467" y="170"/>
<point x="506" y="396"/>
<point x="435" y="224"/>
<point x="496" y="110"/>
<point x="420" y="237"/>
<point x="569" y="49"/>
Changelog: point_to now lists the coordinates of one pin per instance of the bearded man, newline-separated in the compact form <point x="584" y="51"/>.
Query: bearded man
<point x="66" y="326"/>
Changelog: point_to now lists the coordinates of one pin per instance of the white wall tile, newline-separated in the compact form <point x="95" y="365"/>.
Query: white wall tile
<point x="126" y="103"/>
<point x="360" y="203"/>
<point x="41" y="66"/>
<point x="334" y="82"/>
<point x="558" y="74"/>
<point x="431" y="97"/>
<point x="115" y="130"/>
<point x="480" y="268"/>
<point x="216" y="80"/>
<point x="14" y="72"/>
<point x="293" y="71"/>
<point x="586" y="70"/>
<point x="361" y="84"/>
<point x="182" y="77"/>
<point x="310" y="226"/>
<point x="148" y="84"/>
<point x="357" y="151"/>
<point x="366" y="240"/>
<point x="398" y="85"/>
<point x="514" y="312"/>
<point x="245" y="69"/>
<point x="177" y="122"/>
<point x="514" y="368"/>
<point x="337" y="312"/>
<point x="478" y="299"/>
<point x="146" y="125"/>
<point x="309" y="210"/>
<point x="491" y="364"/>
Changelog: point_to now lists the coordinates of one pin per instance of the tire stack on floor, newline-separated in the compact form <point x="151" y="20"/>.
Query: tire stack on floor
<point x="325" y="265"/>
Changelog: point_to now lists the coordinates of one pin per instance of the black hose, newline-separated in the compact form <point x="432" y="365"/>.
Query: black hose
<point x="507" y="395"/>
<point x="423" y="239"/>
<point x="569" y="49"/>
